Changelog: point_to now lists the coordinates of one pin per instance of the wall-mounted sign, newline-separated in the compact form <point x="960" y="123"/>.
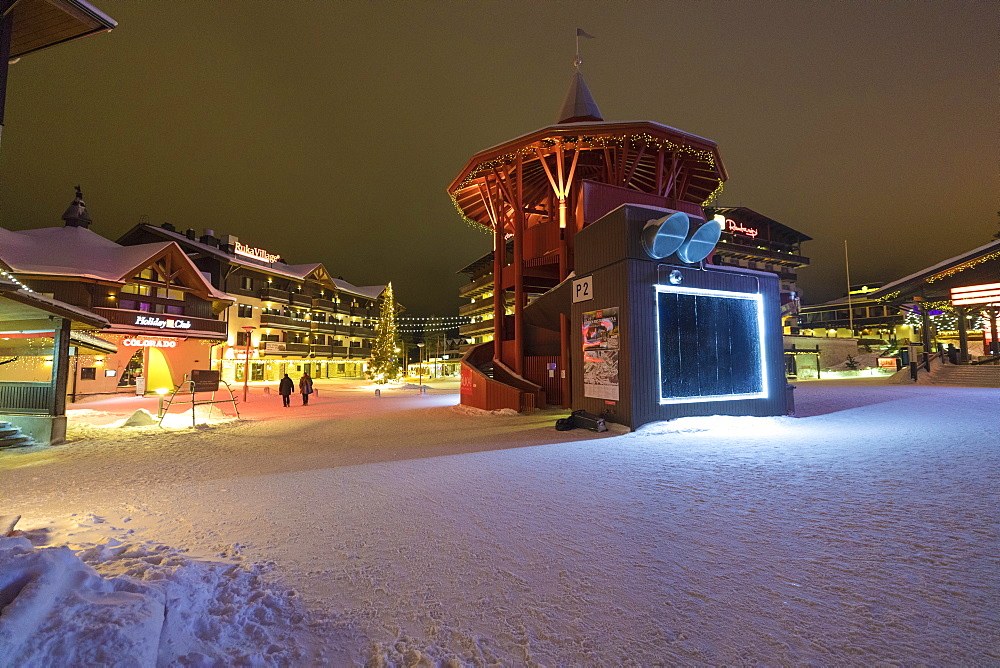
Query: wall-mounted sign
<point x="149" y="343"/>
<point x="600" y="354"/>
<point x="583" y="289"/>
<point x="976" y="294"/>
<point x="733" y="226"/>
<point x="168" y="323"/>
<point x="255" y="253"/>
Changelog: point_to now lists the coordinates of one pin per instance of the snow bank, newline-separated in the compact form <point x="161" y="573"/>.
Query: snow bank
<point x="140" y="604"/>
<point x="480" y="412"/>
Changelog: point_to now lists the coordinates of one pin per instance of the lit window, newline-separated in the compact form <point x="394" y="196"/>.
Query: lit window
<point x="138" y="289"/>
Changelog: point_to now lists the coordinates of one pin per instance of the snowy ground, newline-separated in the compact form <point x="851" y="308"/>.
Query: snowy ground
<point x="403" y="531"/>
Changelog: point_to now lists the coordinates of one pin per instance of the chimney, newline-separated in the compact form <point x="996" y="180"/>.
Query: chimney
<point x="76" y="213"/>
<point x="208" y="238"/>
<point x="228" y="243"/>
<point x="189" y="233"/>
<point x="169" y="227"/>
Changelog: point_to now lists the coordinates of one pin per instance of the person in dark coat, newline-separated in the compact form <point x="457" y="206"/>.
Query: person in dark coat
<point x="305" y="387"/>
<point x="285" y="388"/>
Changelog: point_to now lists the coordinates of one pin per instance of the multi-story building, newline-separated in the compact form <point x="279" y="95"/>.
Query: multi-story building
<point x="164" y="314"/>
<point x="754" y="241"/>
<point x="286" y="318"/>
<point x="855" y="315"/>
<point x="749" y="240"/>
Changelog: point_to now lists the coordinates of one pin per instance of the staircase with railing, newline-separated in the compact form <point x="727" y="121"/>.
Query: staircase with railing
<point x="490" y="385"/>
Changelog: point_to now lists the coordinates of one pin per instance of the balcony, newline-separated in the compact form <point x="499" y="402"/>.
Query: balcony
<point x="328" y="327"/>
<point x="299" y="299"/>
<point x="473" y="328"/>
<point x="484" y="306"/>
<point x="476" y="287"/>
<point x="282" y="348"/>
<point x="117" y="316"/>
<point x="323" y="304"/>
<point x="274" y="295"/>
<point x="754" y="253"/>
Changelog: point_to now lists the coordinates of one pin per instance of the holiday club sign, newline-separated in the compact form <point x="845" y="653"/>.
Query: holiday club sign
<point x="168" y="323"/>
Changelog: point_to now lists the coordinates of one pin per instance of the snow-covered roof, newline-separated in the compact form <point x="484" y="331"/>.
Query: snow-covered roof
<point x="295" y="271"/>
<point x="41" y="302"/>
<point x="79" y="252"/>
<point x="371" y="291"/>
<point x="923" y="274"/>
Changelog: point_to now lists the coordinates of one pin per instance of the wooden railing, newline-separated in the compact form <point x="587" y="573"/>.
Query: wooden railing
<point x="25" y="397"/>
<point x="505" y="390"/>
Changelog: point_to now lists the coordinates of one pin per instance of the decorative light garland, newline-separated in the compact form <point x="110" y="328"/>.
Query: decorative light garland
<point x="962" y="267"/>
<point x="10" y="277"/>
<point x="592" y="142"/>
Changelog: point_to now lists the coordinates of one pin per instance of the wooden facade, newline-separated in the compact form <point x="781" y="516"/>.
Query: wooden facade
<point x="537" y="192"/>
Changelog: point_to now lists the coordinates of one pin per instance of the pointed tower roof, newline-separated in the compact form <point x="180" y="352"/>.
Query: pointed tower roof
<point x="579" y="104"/>
<point x="76" y="213"/>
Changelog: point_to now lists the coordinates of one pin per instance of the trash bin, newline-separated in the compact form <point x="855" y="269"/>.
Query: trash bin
<point x="789" y="399"/>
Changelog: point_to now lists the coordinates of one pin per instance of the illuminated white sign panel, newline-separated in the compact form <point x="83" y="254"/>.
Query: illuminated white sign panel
<point x="168" y="323"/>
<point x="976" y="294"/>
<point x="711" y="345"/>
<point x="255" y="253"/>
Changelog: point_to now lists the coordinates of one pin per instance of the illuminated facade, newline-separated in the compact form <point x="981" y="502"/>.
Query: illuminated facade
<point x="289" y="318"/>
<point x="163" y="313"/>
<point x="570" y="203"/>
<point x="952" y="302"/>
<point x="857" y="316"/>
<point x="753" y="241"/>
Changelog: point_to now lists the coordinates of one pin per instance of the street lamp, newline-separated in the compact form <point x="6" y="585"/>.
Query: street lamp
<point x="159" y="409"/>
<point x="246" y="362"/>
<point x="420" y="365"/>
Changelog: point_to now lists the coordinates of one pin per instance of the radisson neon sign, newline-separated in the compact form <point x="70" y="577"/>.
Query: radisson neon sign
<point x="255" y="253"/>
<point x="733" y="226"/>
<point x="169" y="323"/>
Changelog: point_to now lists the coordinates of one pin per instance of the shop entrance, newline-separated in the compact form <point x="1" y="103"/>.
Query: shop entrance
<point x="133" y="369"/>
<point x="150" y="363"/>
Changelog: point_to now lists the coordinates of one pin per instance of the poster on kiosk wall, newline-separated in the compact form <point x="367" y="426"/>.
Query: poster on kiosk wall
<point x="600" y="354"/>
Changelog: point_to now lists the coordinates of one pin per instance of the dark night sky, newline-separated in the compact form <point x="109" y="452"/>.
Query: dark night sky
<point x="328" y="131"/>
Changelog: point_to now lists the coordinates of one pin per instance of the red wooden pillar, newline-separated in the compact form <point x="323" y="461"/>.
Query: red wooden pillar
<point x="519" y="299"/>
<point x="499" y="251"/>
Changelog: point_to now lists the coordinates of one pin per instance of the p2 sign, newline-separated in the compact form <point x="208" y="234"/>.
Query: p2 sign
<point x="583" y="289"/>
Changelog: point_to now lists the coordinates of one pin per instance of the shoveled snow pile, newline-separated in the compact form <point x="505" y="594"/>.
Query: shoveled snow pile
<point x="479" y="412"/>
<point x="147" y="604"/>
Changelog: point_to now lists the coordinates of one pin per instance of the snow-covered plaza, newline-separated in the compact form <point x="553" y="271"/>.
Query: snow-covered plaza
<point x="406" y="531"/>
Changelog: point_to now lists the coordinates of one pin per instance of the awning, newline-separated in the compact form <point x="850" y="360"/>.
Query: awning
<point x="38" y="24"/>
<point x="92" y="343"/>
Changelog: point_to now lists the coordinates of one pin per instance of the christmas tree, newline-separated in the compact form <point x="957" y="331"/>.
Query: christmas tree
<point x="384" y="363"/>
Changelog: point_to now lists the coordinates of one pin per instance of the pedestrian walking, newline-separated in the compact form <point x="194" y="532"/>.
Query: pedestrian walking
<point x="285" y="388"/>
<point x="305" y="387"/>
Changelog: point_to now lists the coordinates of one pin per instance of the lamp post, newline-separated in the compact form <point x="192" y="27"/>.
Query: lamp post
<point x="246" y="362"/>
<point x="420" y="365"/>
<point x="159" y="409"/>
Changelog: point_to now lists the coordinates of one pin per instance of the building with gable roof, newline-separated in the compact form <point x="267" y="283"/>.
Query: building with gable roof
<point x="163" y="313"/>
<point x="287" y="318"/>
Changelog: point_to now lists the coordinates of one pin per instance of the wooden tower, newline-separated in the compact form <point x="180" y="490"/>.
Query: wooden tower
<point x="534" y="193"/>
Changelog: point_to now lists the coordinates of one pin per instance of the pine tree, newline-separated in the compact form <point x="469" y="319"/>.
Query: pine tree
<point x="384" y="363"/>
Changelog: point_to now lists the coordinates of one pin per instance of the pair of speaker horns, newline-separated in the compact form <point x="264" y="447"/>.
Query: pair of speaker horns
<point x="680" y="234"/>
